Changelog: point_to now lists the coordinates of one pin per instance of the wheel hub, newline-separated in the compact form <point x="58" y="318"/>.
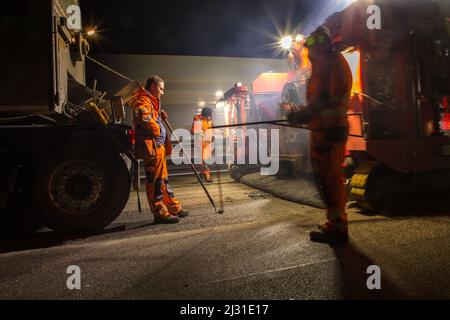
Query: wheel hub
<point x="77" y="187"/>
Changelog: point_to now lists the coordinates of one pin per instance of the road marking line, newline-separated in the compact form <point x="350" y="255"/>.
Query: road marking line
<point x="272" y="271"/>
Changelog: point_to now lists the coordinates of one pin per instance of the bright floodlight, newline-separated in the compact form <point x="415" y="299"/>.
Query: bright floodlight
<point x="219" y="94"/>
<point x="90" y="32"/>
<point x="286" y="42"/>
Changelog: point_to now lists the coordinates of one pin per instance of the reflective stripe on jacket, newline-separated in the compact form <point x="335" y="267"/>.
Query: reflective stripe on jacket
<point x="145" y="121"/>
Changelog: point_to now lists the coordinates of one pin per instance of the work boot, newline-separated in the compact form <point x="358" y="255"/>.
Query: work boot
<point x="208" y="178"/>
<point x="330" y="237"/>
<point x="182" y="214"/>
<point x="328" y="226"/>
<point x="167" y="220"/>
<point x="325" y="226"/>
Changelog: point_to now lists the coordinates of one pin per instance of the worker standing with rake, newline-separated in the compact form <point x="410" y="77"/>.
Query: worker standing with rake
<point x="152" y="145"/>
<point x="326" y="116"/>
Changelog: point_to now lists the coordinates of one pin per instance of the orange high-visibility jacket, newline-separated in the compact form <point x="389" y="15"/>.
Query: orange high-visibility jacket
<point x="329" y="93"/>
<point x="201" y="124"/>
<point x="144" y="121"/>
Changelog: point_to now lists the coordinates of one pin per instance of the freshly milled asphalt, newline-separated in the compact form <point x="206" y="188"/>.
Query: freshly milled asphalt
<point x="259" y="249"/>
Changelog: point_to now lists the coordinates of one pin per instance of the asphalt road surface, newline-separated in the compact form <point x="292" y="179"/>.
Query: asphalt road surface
<point x="259" y="249"/>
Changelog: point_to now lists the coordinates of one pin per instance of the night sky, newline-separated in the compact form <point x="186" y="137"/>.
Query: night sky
<point x="245" y="28"/>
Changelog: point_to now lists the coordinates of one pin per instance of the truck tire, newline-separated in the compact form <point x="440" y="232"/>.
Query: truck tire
<point x="81" y="191"/>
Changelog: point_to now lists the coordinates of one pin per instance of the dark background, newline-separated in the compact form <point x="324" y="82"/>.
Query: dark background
<point x="244" y="28"/>
<point x="197" y="47"/>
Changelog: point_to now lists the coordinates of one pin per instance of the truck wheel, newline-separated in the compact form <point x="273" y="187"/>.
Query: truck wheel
<point x="82" y="191"/>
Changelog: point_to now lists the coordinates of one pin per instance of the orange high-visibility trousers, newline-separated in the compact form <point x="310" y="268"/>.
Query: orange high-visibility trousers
<point x="327" y="157"/>
<point x="201" y="128"/>
<point x="159" y="193"/>
<point x="206" y="155"/>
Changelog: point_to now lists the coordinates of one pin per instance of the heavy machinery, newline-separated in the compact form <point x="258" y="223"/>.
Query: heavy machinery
<point x="260" y="103"/>
<point x="399" y="147"/>
<point x="401" y="81"/>
<point x="234" y="109"/>
<point x="62" y="146"/>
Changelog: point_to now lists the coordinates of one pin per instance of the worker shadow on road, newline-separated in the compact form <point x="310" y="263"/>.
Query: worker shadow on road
<point x="353" y="265"/>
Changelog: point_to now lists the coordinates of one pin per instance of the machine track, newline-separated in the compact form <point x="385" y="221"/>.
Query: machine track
<point x="375" y="186"/>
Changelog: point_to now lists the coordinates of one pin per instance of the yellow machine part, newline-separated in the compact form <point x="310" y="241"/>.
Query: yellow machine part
<point x="101" y="114"/>
<point x="359" y="182"/>
<point x="376" y="186"/>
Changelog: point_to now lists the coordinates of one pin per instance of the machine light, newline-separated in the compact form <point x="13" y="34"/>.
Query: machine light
<point x="90" y="32"/>
<point x="286" y="42"/>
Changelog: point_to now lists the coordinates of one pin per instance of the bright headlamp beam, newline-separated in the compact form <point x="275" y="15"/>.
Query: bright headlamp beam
<point x="286" y="42"/>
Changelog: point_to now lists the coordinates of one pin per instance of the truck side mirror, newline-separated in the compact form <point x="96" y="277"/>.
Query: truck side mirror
<point x="118" y="109"/>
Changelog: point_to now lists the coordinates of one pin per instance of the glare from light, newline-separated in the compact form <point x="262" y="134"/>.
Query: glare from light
<point x="286" y="42"/>
<point x="201" y="104"/>
<point x="346" y="2"/>
<point x="312" y="21"/>
<point x="239" y="84"/>
<point x="220" y="105"/>
<point x="219" y="94"/>
<point x="90" y="32"/>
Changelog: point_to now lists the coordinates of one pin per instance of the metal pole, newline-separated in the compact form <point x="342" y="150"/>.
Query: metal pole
<point x="281" y="123"/>
<point x="221" y="211"/>
<point x="274" y="122"/>
<point x="136" y="174"/>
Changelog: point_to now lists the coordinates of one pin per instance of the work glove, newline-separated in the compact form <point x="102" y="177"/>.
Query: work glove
<point x="164" y="116"/>
<point x="298" y="115"/>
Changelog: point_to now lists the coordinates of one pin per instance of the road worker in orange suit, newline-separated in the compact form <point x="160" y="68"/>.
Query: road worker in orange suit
<point x="201" y="128"/>
<point x="152" y="145"/>
<point x="326" y="116"/>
